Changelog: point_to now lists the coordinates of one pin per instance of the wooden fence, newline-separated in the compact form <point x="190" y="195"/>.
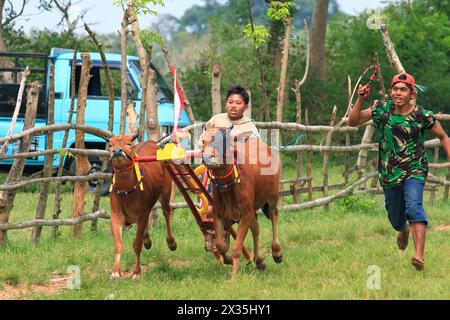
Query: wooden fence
<point x="293" y="187"/>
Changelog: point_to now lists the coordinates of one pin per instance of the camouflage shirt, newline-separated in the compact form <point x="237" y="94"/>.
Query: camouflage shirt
<point x="401" y="140"/>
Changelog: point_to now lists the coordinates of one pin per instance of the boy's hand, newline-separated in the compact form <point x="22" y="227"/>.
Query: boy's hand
<point x="364" y="92"/>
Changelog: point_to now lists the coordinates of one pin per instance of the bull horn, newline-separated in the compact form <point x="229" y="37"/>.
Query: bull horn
<point x="134" y="137"/>
<point x="106" y="139"/>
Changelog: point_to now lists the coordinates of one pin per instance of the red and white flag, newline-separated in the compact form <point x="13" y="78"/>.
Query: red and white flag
<point x="178" y="101"/>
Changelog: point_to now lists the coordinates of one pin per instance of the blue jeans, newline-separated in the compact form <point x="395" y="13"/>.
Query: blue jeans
<point x="404" y="203"/>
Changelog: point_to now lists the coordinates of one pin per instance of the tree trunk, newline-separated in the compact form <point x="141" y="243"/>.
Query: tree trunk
<point x="215" y="89"/>
<point x="152" y="107"/>
<point x="283" y="75"/>
<point x="318" y="34"/>
<point x="392" y="54"/>
<point x="144" y="61"/>
<point x="82" y="162"/>
<point x="7" y="197"/>
<point x="123" y="71"/>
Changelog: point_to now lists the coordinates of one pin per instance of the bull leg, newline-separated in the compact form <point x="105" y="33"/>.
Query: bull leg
<point x="276" y="248"/>
<point x="168" y="213"/>
<point x="220" y="242"/>
<point x="116" y="229"/>
<point x="254" y="227"/>
<point x="142" y="226"/>
<point x="242" y="231"/>
<point x="147" y="240"/>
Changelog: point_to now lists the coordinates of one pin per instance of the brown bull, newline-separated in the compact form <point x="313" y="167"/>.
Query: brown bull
<point x="132" y="197"/>
<point x="245" y="175"/>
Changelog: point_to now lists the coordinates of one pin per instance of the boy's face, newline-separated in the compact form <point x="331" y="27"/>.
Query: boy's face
<point x="235" y="107"/>
<point x="401" y="94"/>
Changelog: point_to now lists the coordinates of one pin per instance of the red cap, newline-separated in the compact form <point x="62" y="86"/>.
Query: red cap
<point x="405" y="78"/>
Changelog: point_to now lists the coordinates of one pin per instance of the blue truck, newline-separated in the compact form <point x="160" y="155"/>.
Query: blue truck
<point x="97" y="107"/>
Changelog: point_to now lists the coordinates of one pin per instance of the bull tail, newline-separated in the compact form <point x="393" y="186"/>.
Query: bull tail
<point x="265" y="210"/>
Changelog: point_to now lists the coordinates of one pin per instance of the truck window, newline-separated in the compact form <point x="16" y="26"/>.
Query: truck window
<point x="98" y="86"/>
<point x="8" y="100"/>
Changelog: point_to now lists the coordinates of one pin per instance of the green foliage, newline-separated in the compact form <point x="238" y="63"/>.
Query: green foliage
<point x="280" y="10"/>
<point x="142" y="6"/>
<point x="258" y="35"/>
<point x="360" y="204"/>
<point x="149" y="37"/>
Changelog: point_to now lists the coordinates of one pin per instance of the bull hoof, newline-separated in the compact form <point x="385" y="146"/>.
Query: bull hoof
<point x="172" y="245"/>
<point x="278" y="259"/>
<point x="148" y="244"/>
<point x="260" y="265"/>
<point x="136" y="276"/>
<point x="115" y="276"/>
<point x="227" y="260"/>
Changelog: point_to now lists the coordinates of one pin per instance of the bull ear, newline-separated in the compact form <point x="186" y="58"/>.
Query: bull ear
<point x="135" y="136"/>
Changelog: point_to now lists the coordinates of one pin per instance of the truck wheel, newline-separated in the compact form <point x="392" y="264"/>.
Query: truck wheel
<point x="96" y="166"/>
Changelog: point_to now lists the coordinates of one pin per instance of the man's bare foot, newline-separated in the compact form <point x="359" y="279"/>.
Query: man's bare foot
<point x="419" y="264"/>
<point x="403" y="238"/>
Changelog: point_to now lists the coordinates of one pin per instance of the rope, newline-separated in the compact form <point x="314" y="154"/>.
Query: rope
<point x="293" y="142"/>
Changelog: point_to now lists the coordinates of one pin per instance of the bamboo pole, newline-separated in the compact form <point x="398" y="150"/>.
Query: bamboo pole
<point x="23" y="80"/>
<point x="43" y="197"/>
<point x="7" y="198"/>
<point x="82" y="163"/>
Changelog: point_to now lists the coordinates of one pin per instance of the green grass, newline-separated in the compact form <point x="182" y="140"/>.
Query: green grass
<point x="326" y="256"/>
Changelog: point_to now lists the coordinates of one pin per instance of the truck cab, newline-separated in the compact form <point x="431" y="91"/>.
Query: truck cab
<point x="97" y="106"/>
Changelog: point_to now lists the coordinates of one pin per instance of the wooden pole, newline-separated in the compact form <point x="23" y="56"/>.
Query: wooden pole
<point x="447" y="187"/>
<point x="309" y="159"/>
<point x="58" y="198"/>
<point x="42" y="204"/>
<point x="326" y="156"/>
<point x="7" y="198"/>
<point x="436" y="159"/>
<point x="109" y="80"/>
<point x="82" y="163"/>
